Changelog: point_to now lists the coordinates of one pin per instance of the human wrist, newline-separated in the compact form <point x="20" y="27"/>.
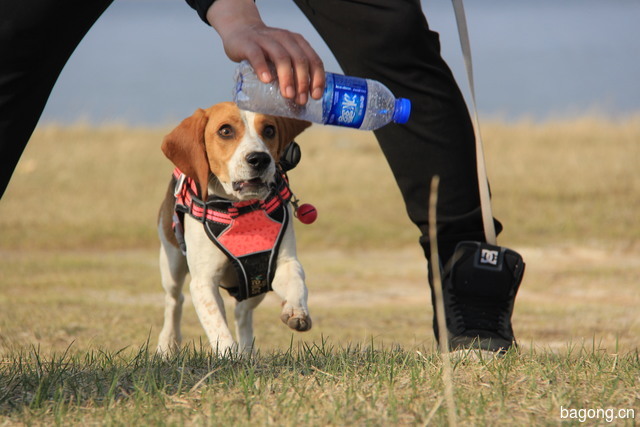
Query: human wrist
<point x="229" y="16"/>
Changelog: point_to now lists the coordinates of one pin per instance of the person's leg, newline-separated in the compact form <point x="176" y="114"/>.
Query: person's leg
<point x="36" y="40"/>
<point x="390" y="41"/>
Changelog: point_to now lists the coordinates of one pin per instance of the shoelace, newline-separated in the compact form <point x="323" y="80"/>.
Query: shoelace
<point x="478" y="315"/>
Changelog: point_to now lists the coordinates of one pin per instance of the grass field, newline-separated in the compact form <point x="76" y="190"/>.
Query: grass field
<point x="81" y="302"/>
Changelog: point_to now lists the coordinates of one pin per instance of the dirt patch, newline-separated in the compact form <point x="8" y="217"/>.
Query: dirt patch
<point x="570" y="294"/>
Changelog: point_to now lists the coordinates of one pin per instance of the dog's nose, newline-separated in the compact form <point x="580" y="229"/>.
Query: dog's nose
<point x="259" y="160"/>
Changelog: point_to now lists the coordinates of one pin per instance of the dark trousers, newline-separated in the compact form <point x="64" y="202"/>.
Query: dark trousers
<point x="390" y="41"/>
<point x="386" y="40"/>
<point x="36" y="40"/>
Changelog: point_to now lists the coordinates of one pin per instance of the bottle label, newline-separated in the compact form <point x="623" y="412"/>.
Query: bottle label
<point x="349" y="102"/>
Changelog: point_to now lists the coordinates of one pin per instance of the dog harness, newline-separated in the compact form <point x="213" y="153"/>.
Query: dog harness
<point x="248" y="232"/>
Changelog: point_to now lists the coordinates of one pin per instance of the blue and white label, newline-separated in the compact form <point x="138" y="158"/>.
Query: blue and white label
<point x="349" y="101"/>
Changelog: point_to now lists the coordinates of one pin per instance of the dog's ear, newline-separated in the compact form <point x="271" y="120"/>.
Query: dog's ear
<point x="185" y="147"/>
<point x="288" y="130"/>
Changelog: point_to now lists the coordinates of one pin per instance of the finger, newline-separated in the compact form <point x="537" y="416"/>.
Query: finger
<point x="299" y="60"/>
<point x="281" y="59"/>
<point x="301" y="69"/>
<point x="316" y="69"/>
<point x="295" y="61"/>
<point x="285" y="76"/>
<point x="318" y="81"/>
<point x="260" y="66"/>
<point x="301" y="53"/>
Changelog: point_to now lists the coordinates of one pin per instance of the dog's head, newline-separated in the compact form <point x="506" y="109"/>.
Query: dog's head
<point x="237" y="148"/>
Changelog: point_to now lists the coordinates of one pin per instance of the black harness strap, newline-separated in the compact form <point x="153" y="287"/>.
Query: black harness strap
<point x="248" y="233"/>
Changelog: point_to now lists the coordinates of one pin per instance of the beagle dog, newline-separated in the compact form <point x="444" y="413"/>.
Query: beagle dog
<point x="230" y="157"/>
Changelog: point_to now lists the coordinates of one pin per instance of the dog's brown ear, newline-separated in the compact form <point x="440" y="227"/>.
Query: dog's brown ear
<point x="288" y="130"/>
<point x="185" y="147"/>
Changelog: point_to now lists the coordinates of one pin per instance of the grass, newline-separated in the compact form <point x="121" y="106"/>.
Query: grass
<point x="315" y="384"/>
<point x="81" y="301"/>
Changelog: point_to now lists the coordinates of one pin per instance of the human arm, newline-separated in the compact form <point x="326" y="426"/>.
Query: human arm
<point x="244" y="35"/>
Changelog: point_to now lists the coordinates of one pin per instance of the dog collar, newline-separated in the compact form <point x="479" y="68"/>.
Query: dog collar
<point x="221" y="210"/>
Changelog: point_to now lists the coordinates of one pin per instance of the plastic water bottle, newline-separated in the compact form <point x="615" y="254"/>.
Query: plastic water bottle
<point x="347" y="101"/>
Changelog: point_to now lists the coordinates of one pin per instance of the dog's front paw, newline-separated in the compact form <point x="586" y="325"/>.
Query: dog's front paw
<point x="298" y="320"/>
<point x="300" y="323"/>
<point x="166" y="351"/>
<point x="168" y="343"/>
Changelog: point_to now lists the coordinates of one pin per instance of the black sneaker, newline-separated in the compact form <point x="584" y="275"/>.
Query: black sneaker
<point x="479" y="286"/>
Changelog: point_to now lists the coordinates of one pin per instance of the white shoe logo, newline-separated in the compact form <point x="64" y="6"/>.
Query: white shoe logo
<point x="488" y="256"/>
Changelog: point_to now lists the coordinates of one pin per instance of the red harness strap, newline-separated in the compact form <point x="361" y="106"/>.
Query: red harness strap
<point x="248" y="232"/>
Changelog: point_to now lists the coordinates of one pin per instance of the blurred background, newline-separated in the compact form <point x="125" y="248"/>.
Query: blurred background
<point x="152" y="62"/>
<point x="558" y="92"/>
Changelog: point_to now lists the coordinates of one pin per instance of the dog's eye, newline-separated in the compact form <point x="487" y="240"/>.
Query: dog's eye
<point x="226" y="131"/>
<point x="269" y="131"/>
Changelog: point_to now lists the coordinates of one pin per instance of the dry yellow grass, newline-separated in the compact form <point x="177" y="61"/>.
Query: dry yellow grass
<point x="78" y="246"/>
<point x="575" y="181"/>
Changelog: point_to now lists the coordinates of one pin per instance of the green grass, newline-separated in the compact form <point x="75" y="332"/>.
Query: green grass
<point x="313" y="384"/>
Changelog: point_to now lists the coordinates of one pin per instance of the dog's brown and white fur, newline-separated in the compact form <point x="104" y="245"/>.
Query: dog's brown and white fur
<point x="229" y="153"/>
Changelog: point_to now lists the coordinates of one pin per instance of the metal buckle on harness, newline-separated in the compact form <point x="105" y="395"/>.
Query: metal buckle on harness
<point x="179" y="183"/>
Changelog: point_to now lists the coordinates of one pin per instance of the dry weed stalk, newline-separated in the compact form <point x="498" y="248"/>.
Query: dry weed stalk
<point x="447" y="376"/>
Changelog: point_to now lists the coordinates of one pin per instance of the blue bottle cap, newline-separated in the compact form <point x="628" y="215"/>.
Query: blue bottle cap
<point x="402" y="110"/>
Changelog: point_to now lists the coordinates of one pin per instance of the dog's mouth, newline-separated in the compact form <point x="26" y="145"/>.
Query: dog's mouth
<point x="251" y="185"/>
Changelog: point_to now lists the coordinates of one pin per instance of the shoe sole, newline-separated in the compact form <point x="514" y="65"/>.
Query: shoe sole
<point x="475" y="355"/>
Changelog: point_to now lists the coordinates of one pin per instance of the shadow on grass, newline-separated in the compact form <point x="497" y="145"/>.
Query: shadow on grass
<point x="315" y="384"/>
<point x="98" y="378"/>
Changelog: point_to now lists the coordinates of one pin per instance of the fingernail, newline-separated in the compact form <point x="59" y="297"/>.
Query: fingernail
<point x="266" y="77"/>
<point x="302" y="99"/>
<point x="317" y="93"/>
<point x="290" y="92"/>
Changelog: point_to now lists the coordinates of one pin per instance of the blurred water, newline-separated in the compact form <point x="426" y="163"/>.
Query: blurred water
<point x="150" y="62"/>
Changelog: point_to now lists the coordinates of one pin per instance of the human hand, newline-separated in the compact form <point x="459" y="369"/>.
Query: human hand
<point x="244" y="35"/>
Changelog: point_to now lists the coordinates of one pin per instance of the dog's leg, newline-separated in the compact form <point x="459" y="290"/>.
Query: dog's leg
<point x="244" y="322"/>
<point x="173" y="269"/>
<point x="289" y="284"/>
<point x="210" y="309"/>
<point x="207" y="266"/>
